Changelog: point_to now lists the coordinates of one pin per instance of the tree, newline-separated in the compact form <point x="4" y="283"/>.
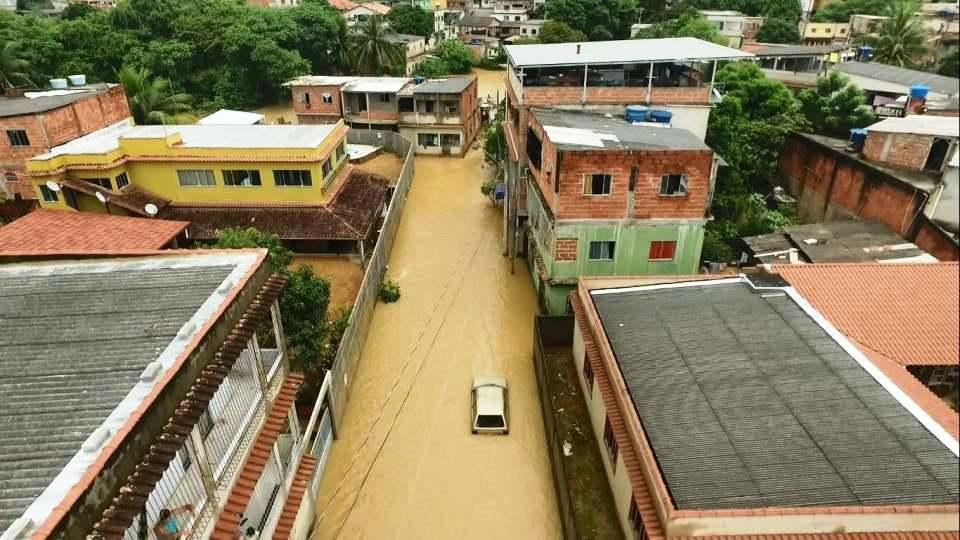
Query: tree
<point x="835" y="106"/>
<point x="151" y="99"/>
<point x="597" y="19"/>
<point x="901" y="38"/>
<point x="840" y="12"/>
<point x="407" y="19"/>
<point x="452" y="58"/>
<point x="14" y="68"/>
<point x="560" y="32"/>
<point x="280" y="256"/>
<point x="778" y="31"/>
<point x="950" y="66"/>
<point x="372" y="53"/>
<point x="322" y="36"/>
<point x="688" y="24"/>
<point x="77" y="11"/>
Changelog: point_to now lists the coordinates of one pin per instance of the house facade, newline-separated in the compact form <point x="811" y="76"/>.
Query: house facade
<point x="817" y="33"/>
<point x="608" y="198"/>
<point x="35" y="122"/>
<point x="729" y="23"/>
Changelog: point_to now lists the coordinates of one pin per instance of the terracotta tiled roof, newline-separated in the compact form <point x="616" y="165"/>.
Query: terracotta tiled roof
<point x="342" y="5"/>
<point x="376" y="7"/>
<point x="59" y="232"/>
<point x="299" y="487"/>
<point x="228" y="523"/>
<point x="908" y="313"/>
<point x="349" y="216"/>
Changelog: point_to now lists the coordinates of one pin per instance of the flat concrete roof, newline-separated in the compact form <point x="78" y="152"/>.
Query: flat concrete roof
<point x="48" y="100"/>
<point x="620" y="52"/>
<point x="583" y="131"/>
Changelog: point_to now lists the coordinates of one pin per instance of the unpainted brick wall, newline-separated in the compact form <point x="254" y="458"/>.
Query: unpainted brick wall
<point x="317" y="106"/>
<point x="566" y="249"/>
<point x="552" y="95"/>
<point x="906" y="150"/>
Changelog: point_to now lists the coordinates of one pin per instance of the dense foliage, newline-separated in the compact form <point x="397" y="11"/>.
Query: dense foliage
<point x="778" y="31"/>
<point x="559" y="32"/>
<point x="224" y="53"/>
<point x="950" y="65"/>
<point x="788" y="10"/>
<point x="597" y="19"/>
<point x="901" y="38"/>
<point x="372" y="53"/>
<point x="835" y="106"/>
<point x="407" y="19"/>
<point x="450" y="58"/>
<point x="841" y="11"/>
<point x="688" y="23"/>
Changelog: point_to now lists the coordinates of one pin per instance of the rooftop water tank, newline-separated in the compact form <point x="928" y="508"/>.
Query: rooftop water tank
<point x="58" y="84"/>
<point x="919" y="91"/>
<point x="637" y="113"/>
<point x="857" y="138"/>
<point x="661" y="117"/>
<point x="77" y="80"/>
<point x="419" y="80"/>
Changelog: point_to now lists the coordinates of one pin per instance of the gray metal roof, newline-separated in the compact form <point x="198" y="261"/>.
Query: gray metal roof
<point x="612" y="133"/>
<point x="620" y="52"/>
<point x="17" y="106"/>
<point x="837" y="241"/>
<point x="748" y="403"/>
<point x="453" y="85"/>
<point x="781" y="51"/>
<point x="74" y="346"/>
<point x="403" y="38"/>
<point x="475" y="21"/>
<point x="899" y="75"/>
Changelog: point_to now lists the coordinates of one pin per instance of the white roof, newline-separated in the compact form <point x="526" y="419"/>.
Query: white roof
<point x="918" y="124"/>
<point x="199" y="136"/>
<point x="490" y="394"/>
<point x="319" y="80"/>
<point x="720" y="13"/>
<point x="620" y="52"/>
<point x="377" y="84"/>
<point x="228" y="117"/>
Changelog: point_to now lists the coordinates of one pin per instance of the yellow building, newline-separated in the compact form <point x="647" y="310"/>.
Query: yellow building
<point x="293" y="181"/>
<point x="815" y="33"/>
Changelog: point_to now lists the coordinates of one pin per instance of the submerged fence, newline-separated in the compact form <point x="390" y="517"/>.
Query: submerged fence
<point x="351" y="345"/>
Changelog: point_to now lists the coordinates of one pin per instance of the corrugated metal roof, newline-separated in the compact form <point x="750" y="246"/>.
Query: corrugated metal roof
<point x="620" y="52"/>
<point x="15" y="106"/>
<point x="582" y="131"/>
<point x="453" y="85"/>
<point x="748" y="403"/>
<point x="899" y="75"/>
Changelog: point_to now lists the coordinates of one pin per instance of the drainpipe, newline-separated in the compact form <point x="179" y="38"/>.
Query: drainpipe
<point x="583" y="95"/>
<point x="650" y="83"/>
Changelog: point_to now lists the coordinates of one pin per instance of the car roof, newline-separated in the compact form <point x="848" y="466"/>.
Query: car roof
<point x="490" y="400"/>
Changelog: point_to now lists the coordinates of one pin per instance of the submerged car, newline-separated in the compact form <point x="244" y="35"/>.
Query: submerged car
<point x="489" y="405"/>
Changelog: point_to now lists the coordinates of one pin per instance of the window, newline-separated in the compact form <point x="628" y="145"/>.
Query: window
<point x="341" y="151"/>
<point x="597" y="184"/>
<point x="326" y="98"/>
<point x="662" y="251"/>
<point x="451" y="107"/>
<point x="427" y="106"/>
<point x="193" y="178"/>
<point x="405" y="104"/>
<point x="205" y="424"/>
<point x="602" y="251"/>
<point x="427" y="139"/>
<point x="185" y="460"/>
<point x="102" y="182"/>
<point x="588" y="373"/>
<point x="48" y="194"/>
<point x="534" y="149"/>
<point x="122" y="180"/>
<point x="449" y="139"/>
<point x="292" y="178"/>
<point x="636" y="522"/>
<point x="241" y="177"/>
<point x="18" y="137"/>
<point x="384" y="98"/>
<point x="327" y="168"/>
<point x="306" y="99"/>
<point x="610" y="441"/>
<point x="673" y="185"/>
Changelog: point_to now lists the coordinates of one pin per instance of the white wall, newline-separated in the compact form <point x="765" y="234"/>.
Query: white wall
<point x="693" y="118"/>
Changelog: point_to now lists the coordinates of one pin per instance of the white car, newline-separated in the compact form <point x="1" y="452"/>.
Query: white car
<point x="490" y="412"/>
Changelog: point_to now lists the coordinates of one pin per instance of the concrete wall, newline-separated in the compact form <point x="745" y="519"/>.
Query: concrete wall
<point x="411" y="134"/>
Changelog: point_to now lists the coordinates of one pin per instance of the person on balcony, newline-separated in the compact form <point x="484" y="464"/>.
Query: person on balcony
<point x="171" y="526"/>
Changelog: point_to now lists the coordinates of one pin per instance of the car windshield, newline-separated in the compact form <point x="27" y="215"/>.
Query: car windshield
<point x="490" y="421"/>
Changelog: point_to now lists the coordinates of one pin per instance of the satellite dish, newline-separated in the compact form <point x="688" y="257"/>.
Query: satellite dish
<point x="53" y="186"/>
<point x="151" y="209"/>
<point x="101" y="197"/>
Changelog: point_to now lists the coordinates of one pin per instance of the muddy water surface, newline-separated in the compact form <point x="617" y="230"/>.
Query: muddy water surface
<point x="489" y="82"/>
<point x="405" y="464"/>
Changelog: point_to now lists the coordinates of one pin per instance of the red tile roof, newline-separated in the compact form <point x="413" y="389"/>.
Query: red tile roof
<point x="301" y="483"/>
<point x="908" y="313"/>
<point x="60" y="232"/>
<point x="342" y="5"/>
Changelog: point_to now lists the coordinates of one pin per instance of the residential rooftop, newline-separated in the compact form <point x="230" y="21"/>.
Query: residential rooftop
<point x="720" y="13"/>
<point x="773" y="50"/>
<point x="232" y="118"/>
<point x="78" y="339"/>
<point x="620" y="52"/>
<point x="919" y="124"/>
<point x="402" y="38"/>
<point x="48" y="100"/>
<point x="452" y="85"/>
<point x="584" y="131"/>
<point x="57" y="232"/>
<point x="901" y="76"/>
<point x="749" y="402"/>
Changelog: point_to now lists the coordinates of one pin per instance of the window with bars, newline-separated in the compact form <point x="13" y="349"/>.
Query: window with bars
<point x="588" y="374"/>
<point x="662" y="250"/>
<point x="18" y="137"/>
<point x="241" y="178"/>
<point x="122" y="180"/>
<point x="450" y="139"/>
<point x="327" y="98"/>
<point x="292" y="178"/>
<point x="597" y="184"/>
<point x="673" y="185"/>
<point x="195" y="178"/>
<point x="102" y="182"/>
<point x="602" y="251"/>
<point x="610" y="441"/>
<point x="427" y="139"/>
<point x="636" y="522"/>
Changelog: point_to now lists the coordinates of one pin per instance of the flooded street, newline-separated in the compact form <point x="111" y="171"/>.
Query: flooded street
<point x="489" y="82"/>
<point x="405" y="464"/>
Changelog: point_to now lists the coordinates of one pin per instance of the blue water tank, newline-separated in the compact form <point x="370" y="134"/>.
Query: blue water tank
<point x="661" y="117"/>
<point x="919" y="91"/>
<point x="419" y="80"/>
<point x="637" y="113"/>
<point x="857" y="138"/>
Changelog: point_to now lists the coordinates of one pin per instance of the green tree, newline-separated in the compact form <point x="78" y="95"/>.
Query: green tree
<point x="560" y="32"/>
<point x="841" y="11"/>
<point x="778" y="31"/>
<point x="151" y="99"/>
<point x="77" y="11"/>
<point x="689" y="23"/>
<point x="372" y="53"/>
<point x="280" y="257"/>
<point x="950" y="65"/>
<point x="901" y="38"/>
<point x="597" y="19"/>
<point x="452" y="58"/>
<point x="407" y="19"/>
<point x="14" y="68"/>
<point x="835" y="106"/>
<point x="322" y="36"/>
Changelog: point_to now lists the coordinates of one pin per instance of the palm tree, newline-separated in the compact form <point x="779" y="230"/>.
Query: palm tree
<point x="152" y="100"/>
<point x="13" y="66"/>
<point x="372" y="53"/>
<point x="901" y="39"/>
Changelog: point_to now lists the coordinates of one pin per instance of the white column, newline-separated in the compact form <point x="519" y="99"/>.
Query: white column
<point x="650" y="83"/>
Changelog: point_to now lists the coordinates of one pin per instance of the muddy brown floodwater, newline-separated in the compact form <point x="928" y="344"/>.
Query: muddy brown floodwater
<point x="405" y="464"/>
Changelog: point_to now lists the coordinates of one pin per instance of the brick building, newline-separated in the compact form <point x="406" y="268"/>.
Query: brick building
<point x="915" y="143"/>
<point x="440" y="116"/>
<point x="607" y="198"/>
<point x="35" y="122"/>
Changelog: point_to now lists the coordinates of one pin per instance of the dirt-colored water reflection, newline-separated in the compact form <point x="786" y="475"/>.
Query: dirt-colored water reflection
<point x="405" y="464"/>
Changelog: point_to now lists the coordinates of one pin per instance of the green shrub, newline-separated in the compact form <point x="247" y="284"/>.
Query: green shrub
<point x="389" y="292"/>
<point x="487" y="187"/>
